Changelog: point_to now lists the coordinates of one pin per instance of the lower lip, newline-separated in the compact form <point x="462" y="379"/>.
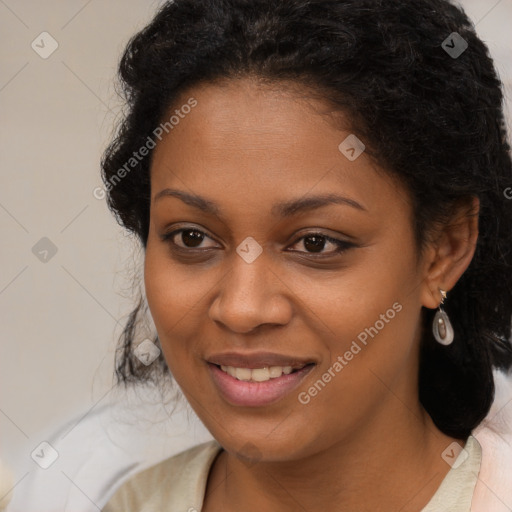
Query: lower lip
<point x="254" y="394"/>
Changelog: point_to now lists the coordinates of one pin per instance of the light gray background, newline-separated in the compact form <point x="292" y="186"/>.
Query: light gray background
<point x="60" y="318"/>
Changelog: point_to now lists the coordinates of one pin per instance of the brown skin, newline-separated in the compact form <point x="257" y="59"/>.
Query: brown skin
<point x="364" y="442"/>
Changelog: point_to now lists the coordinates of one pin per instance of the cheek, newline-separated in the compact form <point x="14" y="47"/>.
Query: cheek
<point x="173" y="290"/>
<point x="365" y="332"/>
<point x="364" y="298"/>
<point x="370" y="318"/>
<point x="176" y="296"/>
<point x="371" y="347"/>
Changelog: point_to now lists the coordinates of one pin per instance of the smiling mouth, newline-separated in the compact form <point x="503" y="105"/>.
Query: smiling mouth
<point x="255" y="387"/>
<point x="263" y="374"/>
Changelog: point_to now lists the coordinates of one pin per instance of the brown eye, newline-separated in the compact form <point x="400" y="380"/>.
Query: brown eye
<point x="190" y="238"/>
<point x="314" y="243"/>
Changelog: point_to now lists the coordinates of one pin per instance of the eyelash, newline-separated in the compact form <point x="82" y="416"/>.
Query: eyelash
<point x="342" y="245"/>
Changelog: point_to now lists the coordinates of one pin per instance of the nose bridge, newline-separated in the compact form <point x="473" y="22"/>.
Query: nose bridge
<point x="250" y="294"/>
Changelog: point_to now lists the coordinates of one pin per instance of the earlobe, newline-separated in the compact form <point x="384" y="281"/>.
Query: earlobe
<point x="428" y="296"/>
<point x="452" y="252"/>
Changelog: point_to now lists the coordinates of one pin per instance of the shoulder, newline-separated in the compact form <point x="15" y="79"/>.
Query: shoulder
<point x="455" y="494"/>
<point x="181" y="477"/>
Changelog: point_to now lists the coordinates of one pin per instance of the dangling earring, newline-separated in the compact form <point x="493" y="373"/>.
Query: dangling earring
<point x="442" y="327"/>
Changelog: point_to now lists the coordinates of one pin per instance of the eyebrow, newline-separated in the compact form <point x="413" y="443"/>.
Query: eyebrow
<point x="283" y="209"/>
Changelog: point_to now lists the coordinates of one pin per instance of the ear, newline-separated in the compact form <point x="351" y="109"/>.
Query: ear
<point x="450" y="252"/>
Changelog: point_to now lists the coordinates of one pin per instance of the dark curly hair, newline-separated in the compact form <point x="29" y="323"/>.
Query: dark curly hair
<point x="433" y="120"/>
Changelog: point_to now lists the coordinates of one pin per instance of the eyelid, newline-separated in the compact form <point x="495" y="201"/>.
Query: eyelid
<point x="167" y="236"/>
<point x="342" y="245"/>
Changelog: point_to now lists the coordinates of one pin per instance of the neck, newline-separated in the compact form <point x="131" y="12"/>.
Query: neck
<point x="386" y="466"/>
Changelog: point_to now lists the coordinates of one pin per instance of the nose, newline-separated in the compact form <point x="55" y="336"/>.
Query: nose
<point x="251" y="295"/>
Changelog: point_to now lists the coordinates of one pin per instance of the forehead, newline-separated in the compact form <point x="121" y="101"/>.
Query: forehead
<point x="246" y="141"/>
<point x="253" y="115"/>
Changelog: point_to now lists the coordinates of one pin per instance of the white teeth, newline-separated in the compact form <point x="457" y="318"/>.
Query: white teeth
<point x="257" y="374"/>
<point x="243" y="373"/>
<point x="260" y="374"/>
<point x="275" y="371"/>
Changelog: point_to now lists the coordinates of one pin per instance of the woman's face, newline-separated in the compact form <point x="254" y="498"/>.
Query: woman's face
<point x="263" y="284"/>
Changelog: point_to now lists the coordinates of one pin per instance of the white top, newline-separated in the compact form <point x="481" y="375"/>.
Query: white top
<point x="179" y="483"/>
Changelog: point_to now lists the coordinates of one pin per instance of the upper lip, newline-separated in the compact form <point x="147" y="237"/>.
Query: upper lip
<point x="257" y="360"/>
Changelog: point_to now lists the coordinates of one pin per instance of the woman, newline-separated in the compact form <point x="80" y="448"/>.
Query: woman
<point x="320" y="189"/>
